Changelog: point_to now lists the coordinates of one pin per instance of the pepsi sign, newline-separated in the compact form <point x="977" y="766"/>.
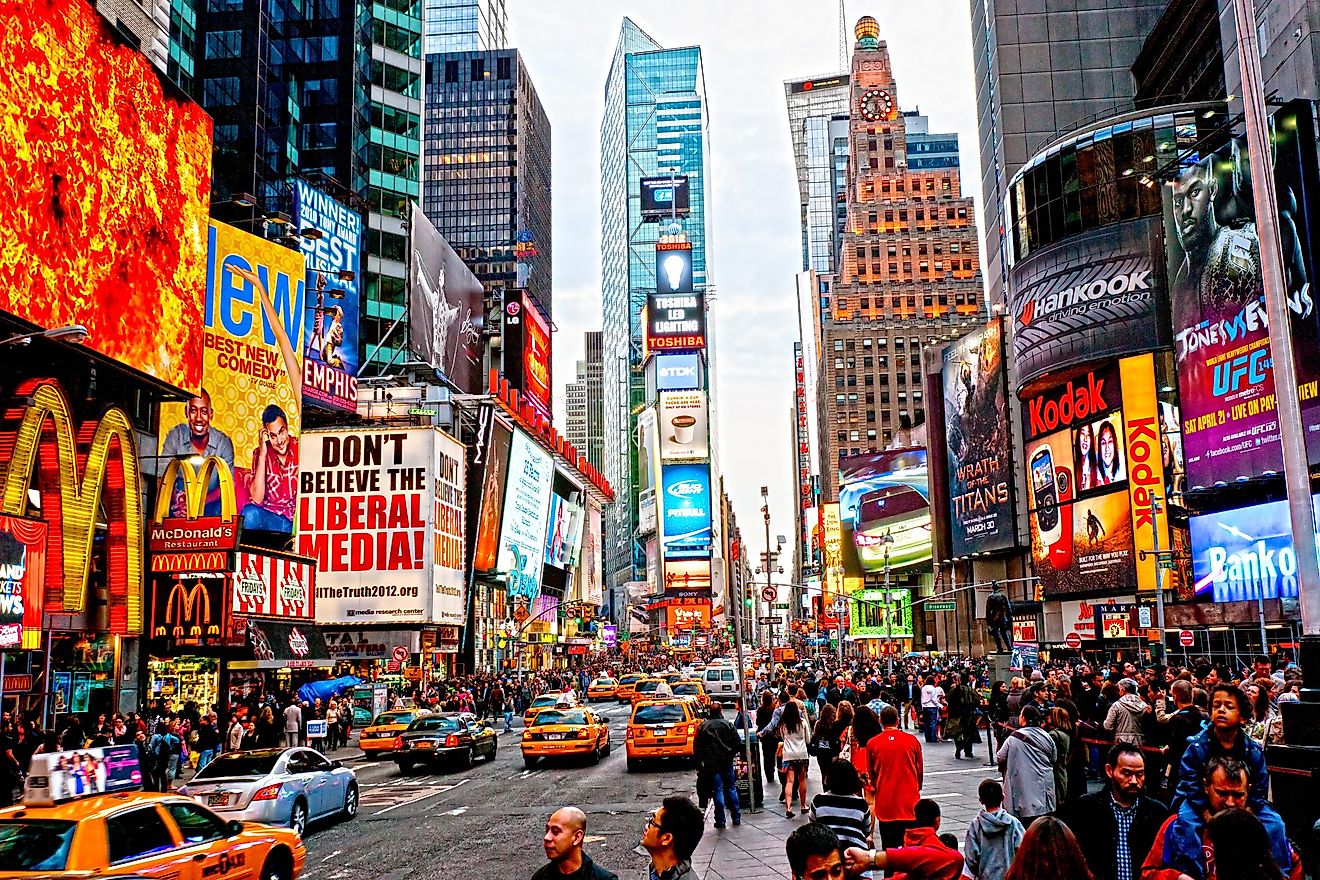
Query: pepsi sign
<point x="685" y="499"/>
<point x="678" y="372"/>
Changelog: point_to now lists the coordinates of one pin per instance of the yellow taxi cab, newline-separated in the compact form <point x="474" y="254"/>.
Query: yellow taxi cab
<point x="573" y="731"/>
<point x="627" y="682"/>
<point x="83" y="814"/>
<point x="547" y="700"/>
<point x="693" y="690"/>
<point x="603" y="688"/>
<point x="384" y="735"/>
<point x="645" y="689"/>
<point x="661" y="729"/>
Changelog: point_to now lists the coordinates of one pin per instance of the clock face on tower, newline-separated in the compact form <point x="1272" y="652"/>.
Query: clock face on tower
<point x="876" y="105"/>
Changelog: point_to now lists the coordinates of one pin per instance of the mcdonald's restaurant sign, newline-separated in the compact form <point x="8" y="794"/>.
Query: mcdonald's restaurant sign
<point x="194" y="515"/>
<point x="79" y="470"/>
<point x="189" y="609"/>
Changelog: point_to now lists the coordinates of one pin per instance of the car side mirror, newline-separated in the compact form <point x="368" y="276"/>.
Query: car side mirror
<point x="233" y="828"/>
<point x="336" y="764"/>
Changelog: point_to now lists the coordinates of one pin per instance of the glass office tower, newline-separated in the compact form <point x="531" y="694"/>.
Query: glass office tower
<point x="655" y="120"/>
<point x="466" y="26"/>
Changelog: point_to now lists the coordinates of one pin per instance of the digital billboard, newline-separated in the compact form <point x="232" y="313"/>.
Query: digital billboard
<point x="1245" y="554"/>
<point x="1094" y="296"/>
<point x="1144" y="447"/>
<point x="875" y="617"/>
<point x="334" y="283"/>
<point x="1077" y="493"/>
<point x="673" y="268"/>
<point x="1217" y="298"/>
<point x="685" y="511"/>
<point x="684" y="432"/>
<point x="678" y="372"/>
<point x="664" y="197"/>
<point x="884" y="502"/>
<point x="687" y="577"/>
<point x="248" y="411"/>
<point x="445" y="303"/>
<point x="22" y="578"/>
<point x="490" y="465"/>
<point x="675" y="322"/>
<point x="108" y="185"/>
<point x="368" y="502"/>
<point x="689" y="617"/>
<point x="527" y="349"/>
<point x="978" y="443"/>
<point x="526" y="517"/>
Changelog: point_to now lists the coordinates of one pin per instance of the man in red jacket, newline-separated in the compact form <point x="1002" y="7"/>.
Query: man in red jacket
<point x="921" y="857"/>
<point x="896" y="765"/>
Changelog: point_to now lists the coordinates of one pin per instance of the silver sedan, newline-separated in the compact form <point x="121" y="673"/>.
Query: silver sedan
<point x="291" y="787"/>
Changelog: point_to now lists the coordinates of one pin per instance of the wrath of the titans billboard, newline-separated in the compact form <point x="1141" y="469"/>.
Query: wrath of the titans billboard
<point x="107" y="191"/>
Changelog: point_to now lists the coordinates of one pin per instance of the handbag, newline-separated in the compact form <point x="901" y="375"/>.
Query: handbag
<point x="846" y="747"/>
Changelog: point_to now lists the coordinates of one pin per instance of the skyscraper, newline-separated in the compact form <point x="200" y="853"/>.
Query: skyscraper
<point x="584" y="422"/>
<point x="812" y="103"/>
<point x="145" y="23"/>
<point x="655" y="121"/>
<point x="1039" y="74"/>
<point x="465" y="26"/>
<point x="487" y="168"/>
<point x="908" y="270"/>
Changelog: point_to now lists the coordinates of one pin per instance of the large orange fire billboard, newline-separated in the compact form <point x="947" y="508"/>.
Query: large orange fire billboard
<point x="106" y="191"/>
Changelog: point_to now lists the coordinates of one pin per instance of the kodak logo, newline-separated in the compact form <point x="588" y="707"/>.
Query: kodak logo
<point x="1049" y="412"/>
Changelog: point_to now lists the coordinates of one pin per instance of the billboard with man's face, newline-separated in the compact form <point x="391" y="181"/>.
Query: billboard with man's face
<point x="249" y="411"/>
<point x="445" y="304"/>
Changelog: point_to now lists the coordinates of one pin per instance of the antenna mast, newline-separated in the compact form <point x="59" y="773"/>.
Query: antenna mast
<point x="843" y="36"/>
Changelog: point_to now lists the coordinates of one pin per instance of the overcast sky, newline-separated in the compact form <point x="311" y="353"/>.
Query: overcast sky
<point x="749" y="49"/>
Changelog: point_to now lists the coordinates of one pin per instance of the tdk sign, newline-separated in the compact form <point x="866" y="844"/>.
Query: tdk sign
<point x="678" y="372"/>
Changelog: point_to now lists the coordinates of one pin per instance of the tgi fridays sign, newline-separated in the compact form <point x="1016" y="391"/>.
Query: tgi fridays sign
<point x="1080" y="616"/>
<point x="266" y="585"/>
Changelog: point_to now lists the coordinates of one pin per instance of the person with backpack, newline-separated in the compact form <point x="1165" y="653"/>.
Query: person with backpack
<point x="160" y="748"/>
<point x="714" y="748"/>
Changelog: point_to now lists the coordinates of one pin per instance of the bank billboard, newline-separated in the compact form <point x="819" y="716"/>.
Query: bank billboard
<point x="884" y="505"/>
<point x="685" y="511"/>
<point x="445" y="304"/>
<point x="526" y="517"/>
<point x="1245" y="554"/>
<point x="1091" y="297"/>
<point x="331" y="355"/>
<point x="248" y="410"/>
<point x="108" y="186"/>
<point x="978" y="443"/>
<point x="375" y="512"/>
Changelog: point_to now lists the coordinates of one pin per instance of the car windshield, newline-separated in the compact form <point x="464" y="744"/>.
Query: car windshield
<point x="604" y="681"/>
<point x="630" y="678"/>
<point x="38" y="845"/>
<point x="664" y="713"/>
<point x="447" y="725"/>
<point x="256" y="763"/>
<point x="649" y="685"/>
<point x="687" y="690"/>
<point x="560" y="716"/>
<point x="394" y="718"/>
<point x="546" y="700"/>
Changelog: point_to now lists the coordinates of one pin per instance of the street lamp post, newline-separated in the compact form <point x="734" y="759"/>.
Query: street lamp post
<point x="72" y="333"/>
<point x="887" y="538"/>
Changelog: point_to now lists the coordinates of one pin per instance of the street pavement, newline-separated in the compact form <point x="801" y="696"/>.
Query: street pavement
<point x="491" y="818"/>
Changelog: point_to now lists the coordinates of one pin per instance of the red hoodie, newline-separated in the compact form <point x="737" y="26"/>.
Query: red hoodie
<point x="923" y="857"/>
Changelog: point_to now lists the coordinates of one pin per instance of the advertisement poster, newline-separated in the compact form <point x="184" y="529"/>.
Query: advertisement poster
<point x="588" y="569"/>
<point x="491" y="465"/>
<point x="875" y="617"/>
<point x="449" y="481"/>
<point x="685" y="511"/>
<point x="22" y="581"/>
<point x="445" y="303"/>
<point x="1092" y="297"/>
<point x="1245" y="554"/>
<point x="673" y="268"/>
<point x="526" y="347"/>
<point x="334" y="282"/>
<point x="526" y="514"/>
<point x="979" y="443"/>
<point x="248" y="412"/>
<point x="684" y="433"/>
<point x="884" y="501"/>
<point x="675" y="322"/>
<point x="832" y="540"/>
<point x="689" y="577"/>
<point x="1077" y="483"/>
<point x="664" y="197"/>
<point x="108" y="186"/>
<point x="1144" y="446"/>
<point x="366" y="514"/>
<point x="687" y="617"/>
<point x="1221" y="333"/>
<point x="1081" y="616"/>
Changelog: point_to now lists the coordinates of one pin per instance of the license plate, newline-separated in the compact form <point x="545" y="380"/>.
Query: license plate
<point x="217" y="800"/>
<point x="424" y="744"/>
<point x="554" y="736"/>
<point x="660" y="731"/>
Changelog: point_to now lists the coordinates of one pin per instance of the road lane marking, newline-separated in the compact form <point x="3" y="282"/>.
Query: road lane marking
<point x="456" y="811"/>
<point x="439" y="790"/>
<point x="337" y="852"/>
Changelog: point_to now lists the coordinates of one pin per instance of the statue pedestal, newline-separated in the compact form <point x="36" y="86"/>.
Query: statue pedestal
<point x="999" y="666"/>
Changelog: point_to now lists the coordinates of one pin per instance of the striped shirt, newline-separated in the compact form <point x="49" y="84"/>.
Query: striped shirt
<point x="846" y="815"/>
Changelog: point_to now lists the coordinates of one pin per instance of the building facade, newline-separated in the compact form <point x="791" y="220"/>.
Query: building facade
<point x="486" y="164"/>
<point x="465" y="26"/>
<point x="584" y="422"/>
<point x="655" y="120"/>
<point x="908" y="271"/>
<point x="1041" y="73"/>
<point x="812" y="103"/>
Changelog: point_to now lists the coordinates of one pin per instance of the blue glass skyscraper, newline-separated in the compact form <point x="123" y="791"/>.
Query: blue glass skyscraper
<point x="655" y="121"/>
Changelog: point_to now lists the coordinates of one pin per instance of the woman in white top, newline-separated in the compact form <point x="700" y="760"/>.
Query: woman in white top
<point x="795" y="731"/>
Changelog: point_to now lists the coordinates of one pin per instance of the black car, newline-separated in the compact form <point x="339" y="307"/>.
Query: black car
<point x="455" y="738"/>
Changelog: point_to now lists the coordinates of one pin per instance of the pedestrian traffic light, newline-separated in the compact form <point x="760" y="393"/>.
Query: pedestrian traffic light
<point x="748" y="602"/>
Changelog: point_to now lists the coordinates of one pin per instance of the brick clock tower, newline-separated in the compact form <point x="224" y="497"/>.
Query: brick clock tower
<point x="908" y="268"/>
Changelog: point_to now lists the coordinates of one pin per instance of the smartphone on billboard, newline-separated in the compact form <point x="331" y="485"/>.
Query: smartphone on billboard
<point x="1045" y="494"/>
<point x="1061" y="549"/>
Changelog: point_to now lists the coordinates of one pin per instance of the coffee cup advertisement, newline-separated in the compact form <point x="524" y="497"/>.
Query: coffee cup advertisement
<point x="684" y="434"/>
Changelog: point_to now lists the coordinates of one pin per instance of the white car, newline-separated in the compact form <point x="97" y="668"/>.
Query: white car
<point x="292" y="787"/>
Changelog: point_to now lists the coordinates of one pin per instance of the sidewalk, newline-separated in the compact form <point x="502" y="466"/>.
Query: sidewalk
<point x="755" y="850"/>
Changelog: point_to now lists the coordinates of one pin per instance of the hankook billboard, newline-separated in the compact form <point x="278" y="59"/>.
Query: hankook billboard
<point x="1094" y="296"/>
